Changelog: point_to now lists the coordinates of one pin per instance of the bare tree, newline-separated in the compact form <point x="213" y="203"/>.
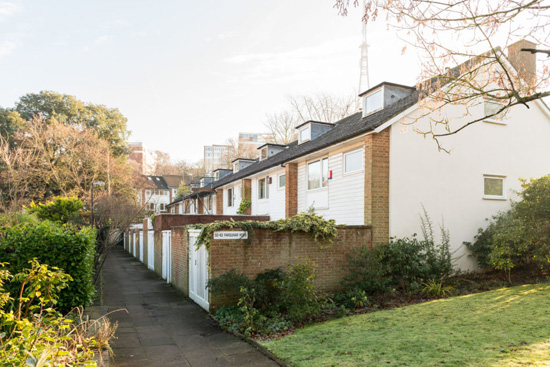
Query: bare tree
<point x="470" y="34"/>
<point x="317" y="107"/>
<point x="16" y="169"/>
<point x="162" y="165"/>
<point x="238" y="150"/>
<point x="114" y="215"/>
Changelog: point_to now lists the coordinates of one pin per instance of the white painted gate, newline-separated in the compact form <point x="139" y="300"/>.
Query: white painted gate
<point x="135" y="245"/>
<point x="141" y="246"/>
<point x="198" y="271"/>
<point x="151" y="250"/>
<point x="167" y="256"/>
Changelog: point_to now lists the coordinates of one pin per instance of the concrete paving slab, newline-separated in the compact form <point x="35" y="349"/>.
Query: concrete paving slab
<point x="162" y="328"/>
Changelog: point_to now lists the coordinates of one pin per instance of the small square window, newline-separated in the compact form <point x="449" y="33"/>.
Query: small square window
<point x="494" y="187"/>
<point x="491" y="108"/>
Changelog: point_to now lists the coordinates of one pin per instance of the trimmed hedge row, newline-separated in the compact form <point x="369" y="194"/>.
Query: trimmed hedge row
<point x="65" y="247"/>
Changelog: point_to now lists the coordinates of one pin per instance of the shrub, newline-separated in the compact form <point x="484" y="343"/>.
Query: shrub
<point x="59" y="210"/>
<point x="403" y="263"/>
<point x="276" y="300"/>
<point x="352" y="299"/>
<point x="521" y="235"/>
<point x="64" y="247"/>
<point x="367" y="271"/>
<point x="33" y="333"/>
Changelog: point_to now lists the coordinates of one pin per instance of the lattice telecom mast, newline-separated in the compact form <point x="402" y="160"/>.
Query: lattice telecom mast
<point x="364" y="82"/>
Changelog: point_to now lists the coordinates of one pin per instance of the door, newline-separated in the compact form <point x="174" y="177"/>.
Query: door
<point x="141" y="246"/>
<point x="198" y="271"/>
<point x="134" y="252"/>
<point x="151" y="250"/>
<point x="166" y="256"/>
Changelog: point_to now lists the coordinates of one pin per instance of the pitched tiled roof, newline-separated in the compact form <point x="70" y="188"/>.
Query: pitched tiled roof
<point x="344" y="129"/>
<point x="157" y="182"/>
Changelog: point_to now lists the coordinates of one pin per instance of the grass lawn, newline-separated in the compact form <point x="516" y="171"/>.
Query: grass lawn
<point x="505" y="327"/>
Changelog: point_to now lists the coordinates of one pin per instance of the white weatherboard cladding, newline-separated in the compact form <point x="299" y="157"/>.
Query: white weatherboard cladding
<point x="274" y="206"/>
<point x="450" y="186"/>
<point x="232" y="210"/>
<point x="343" y="199"/>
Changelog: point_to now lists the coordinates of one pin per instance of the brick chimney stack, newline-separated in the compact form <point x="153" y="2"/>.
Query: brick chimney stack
<point x="523" y="61"/>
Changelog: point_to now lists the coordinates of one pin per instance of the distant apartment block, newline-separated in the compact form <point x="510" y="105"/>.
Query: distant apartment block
<point x="215" y="156"/>
<point x="251" y="139"/>
<point x="141" y="157"/>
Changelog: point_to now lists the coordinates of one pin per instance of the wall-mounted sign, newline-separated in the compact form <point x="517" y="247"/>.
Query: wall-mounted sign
<point x="231" y="235"/>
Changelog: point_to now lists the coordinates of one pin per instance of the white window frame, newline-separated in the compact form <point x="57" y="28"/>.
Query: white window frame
<point x="495" y="197"/>
<point x="365" y="112"/>
<point x="236" y="166"/>
<point x="263" y="153"/>
<point x="498" y="119"/>
<point x="230" y="198"/>
<point x="162" y="207"/>
<point x="279" y="187"/>
<point x="321" y="186"/>
<point x="265" y="187"/>
<point x="362" y="167"/>
<point x="302" y="130"/>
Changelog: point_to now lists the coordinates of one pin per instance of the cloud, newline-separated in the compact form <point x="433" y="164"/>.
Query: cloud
<point x="115" y="24"/>
<point x="102" y="39"/>
<point x="6" y="48"/>
<point x="7" y="9"/>
<point x="298" y="64"/>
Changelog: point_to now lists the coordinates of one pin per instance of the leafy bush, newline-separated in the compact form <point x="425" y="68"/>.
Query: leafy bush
<point x="243" y="207"/>
<point x="59" y="210"/>
<point x="64" y="247"/>
<point x="323" y="231"/>
<point x="521" y="235"/>
<point x="276" y="300"/>
<point x="11" y="219"/>
<point x="33" y="333"/>
<point x="436" y="289"/>
<point x="402" y="263"/>
<point x="352" y="299"/>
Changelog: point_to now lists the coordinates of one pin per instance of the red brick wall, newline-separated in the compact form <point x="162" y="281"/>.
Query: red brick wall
<point x="291" y="190"/>
<point x="180" y="260"/>
<point x="219" y="201"/>
<point x="377" y="182"/>
<point x="270" y="250"/>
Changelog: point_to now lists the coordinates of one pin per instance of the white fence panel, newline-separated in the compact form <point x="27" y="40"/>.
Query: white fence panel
<point x="198" y="271"/>
<point x="167" y="256"/>
<point x="141" y="246"/>
<point x="151" y="250"/>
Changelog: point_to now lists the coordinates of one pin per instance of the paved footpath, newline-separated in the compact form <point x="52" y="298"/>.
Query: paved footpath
<point x="162" y="327"/>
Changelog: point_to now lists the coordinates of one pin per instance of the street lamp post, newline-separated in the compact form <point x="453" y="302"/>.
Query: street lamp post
<point x="99" y="183"/>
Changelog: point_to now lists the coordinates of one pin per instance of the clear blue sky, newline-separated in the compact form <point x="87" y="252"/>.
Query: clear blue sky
<point x="189" y="73"/>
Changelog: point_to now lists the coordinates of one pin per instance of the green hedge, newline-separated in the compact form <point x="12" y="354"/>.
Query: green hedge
<point x="65" y="247"/>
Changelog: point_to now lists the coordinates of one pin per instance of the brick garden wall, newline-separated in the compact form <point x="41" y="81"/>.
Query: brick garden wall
<point x="270" y="250"/>
<point x="180" y="260"/>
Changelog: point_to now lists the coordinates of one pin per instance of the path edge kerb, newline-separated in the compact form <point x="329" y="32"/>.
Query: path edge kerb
<point x="255" y="344"/>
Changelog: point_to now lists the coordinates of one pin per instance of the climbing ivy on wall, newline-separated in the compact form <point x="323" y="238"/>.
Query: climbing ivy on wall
<point x="322" y="230"/>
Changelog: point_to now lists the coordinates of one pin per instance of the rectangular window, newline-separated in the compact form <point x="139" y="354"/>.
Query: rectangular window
<point x="493" y="187"/>
<point x="353" y="161"/>
<point x="317" y="174"/>
<point x="230" y="197"/>
<point x="162" y="207"/>
<point x="236" y="167"/>
<point x="263" y="189"/>
<point x="373" y="102"/>
<point x="305" y="134"/>
<point x="282" y="181"/>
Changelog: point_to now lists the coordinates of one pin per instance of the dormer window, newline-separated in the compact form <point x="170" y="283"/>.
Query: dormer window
<point x="305" y="134"/>
<point x="236" y="166"/>
<point x="263" y="153"/>
<point x="217" y="175"/>
<point x="373" y="102"/>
